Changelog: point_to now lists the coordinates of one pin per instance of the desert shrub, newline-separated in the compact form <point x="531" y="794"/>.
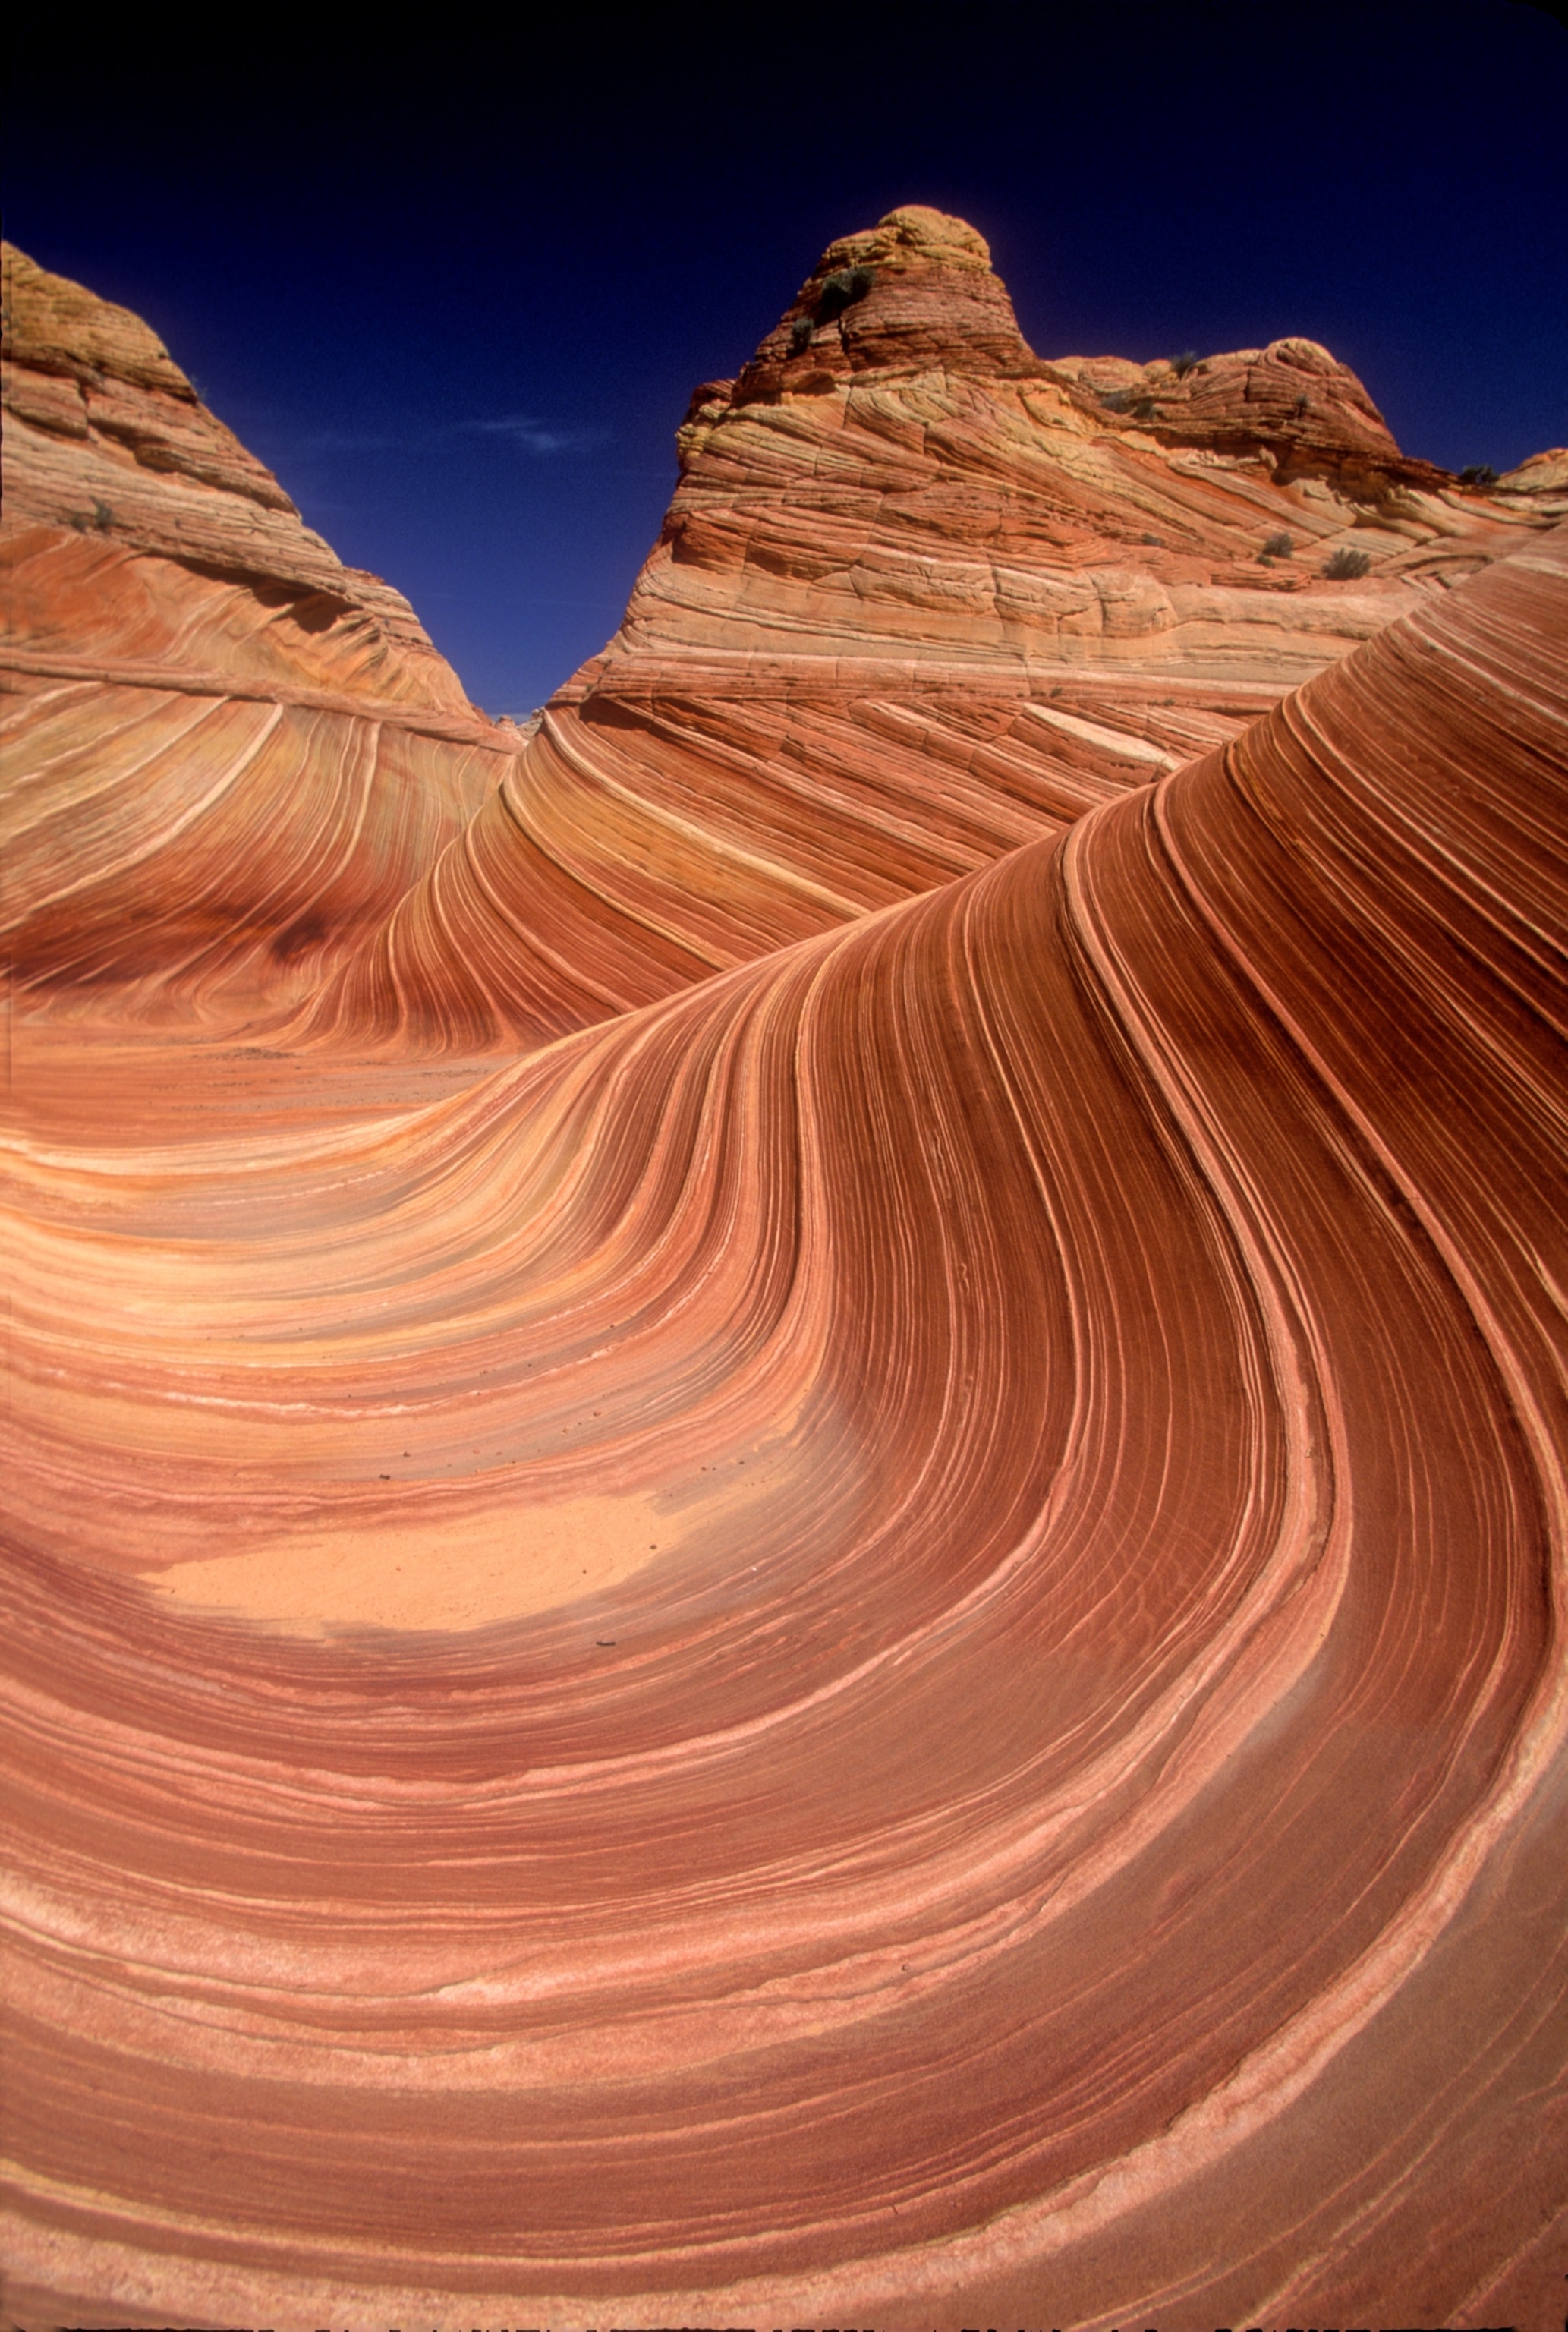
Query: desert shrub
<point x="1279" y="546"/>
<point x="1345" y="565"/>
<point x="1135" y="402"/>
<point x="102" y="516"/>
<point x="1478" y="473"/>
<point x="799" y="335"/>
<point x="1182" y="365"/>
<point x="1155" y="541"/>
<point x="842" y="290"/>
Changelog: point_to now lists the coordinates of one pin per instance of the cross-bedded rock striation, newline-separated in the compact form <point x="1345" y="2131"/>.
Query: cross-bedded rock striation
<point x="920" y="578"/>
<point x="880" y="1639"/>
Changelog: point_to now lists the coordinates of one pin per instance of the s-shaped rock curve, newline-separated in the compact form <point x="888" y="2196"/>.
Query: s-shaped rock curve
<point x="1046" y="1790"/>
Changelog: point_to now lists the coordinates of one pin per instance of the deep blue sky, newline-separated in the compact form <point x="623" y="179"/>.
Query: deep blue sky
<point x="456" y="292"/>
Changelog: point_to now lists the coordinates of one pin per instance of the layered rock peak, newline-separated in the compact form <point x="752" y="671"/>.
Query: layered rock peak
<point x="1293" y="403"/>
<point x="909" y="547"/>
<point x="271" y="748"/>
<point x="895" y="473"/>
<point x="79" y="367"/>
<point x="915" y="293"/>
<point x="55" y="326"/>
<point x="112" y="456"/>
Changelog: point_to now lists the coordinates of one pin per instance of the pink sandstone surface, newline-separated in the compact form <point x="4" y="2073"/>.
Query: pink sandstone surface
<point x="786" y="1513"/>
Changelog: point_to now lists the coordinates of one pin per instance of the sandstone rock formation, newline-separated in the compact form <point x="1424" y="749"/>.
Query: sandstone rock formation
<point x="913" y="573"/>
<point x="881" y="1641"/>
<point x="238" y="752"/>
<point x="1543" y="473"/>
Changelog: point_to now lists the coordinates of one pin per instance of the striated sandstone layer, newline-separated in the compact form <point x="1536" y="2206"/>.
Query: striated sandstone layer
<point x="227" y="755"/>
<point x="921" y="597"/>
<point x="879" y="1641"/>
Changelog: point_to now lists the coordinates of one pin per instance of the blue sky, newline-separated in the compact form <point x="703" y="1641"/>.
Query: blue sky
<point x="457" y="294"/>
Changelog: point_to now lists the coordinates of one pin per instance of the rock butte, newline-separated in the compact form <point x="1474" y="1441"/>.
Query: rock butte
<point x="785" y="1512"/>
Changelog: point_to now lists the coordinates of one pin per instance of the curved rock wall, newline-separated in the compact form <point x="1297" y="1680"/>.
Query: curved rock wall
<point x="226" y="755"/>
<point x="921" y="597"/>
<point x="881" y="1641"/>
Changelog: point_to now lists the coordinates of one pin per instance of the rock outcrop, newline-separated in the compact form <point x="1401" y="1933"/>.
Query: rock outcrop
<point x="235" y="753"/>
<point x="1545" y="474"/>
<point x="105" y="436"/>
<point x="882" y="1642"/>
<point x="921" y="597"/>
<point x="914" y="578"/>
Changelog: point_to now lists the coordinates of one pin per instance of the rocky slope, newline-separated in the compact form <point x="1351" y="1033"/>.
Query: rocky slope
<point x="881" y="1642"/>
<point x="920" y="597"/>
<point x="227" y="754"/>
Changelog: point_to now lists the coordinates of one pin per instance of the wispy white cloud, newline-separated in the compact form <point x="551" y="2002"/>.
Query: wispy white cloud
<point x="533" y="436"/>
<point x="523" y="430"/>
<point x="351" y="441"/>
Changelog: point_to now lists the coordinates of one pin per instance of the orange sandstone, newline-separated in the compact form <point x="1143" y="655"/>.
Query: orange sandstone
<point x="1066" y="1808"/>
<point x="232" y="754"/>
<point x="920" y="597"/>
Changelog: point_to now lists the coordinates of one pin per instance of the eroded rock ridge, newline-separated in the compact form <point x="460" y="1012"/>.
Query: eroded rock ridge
<point x="785" y="1530"/>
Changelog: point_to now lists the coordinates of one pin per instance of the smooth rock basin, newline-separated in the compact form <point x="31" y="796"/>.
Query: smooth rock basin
<point x="817" y="1575"/>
